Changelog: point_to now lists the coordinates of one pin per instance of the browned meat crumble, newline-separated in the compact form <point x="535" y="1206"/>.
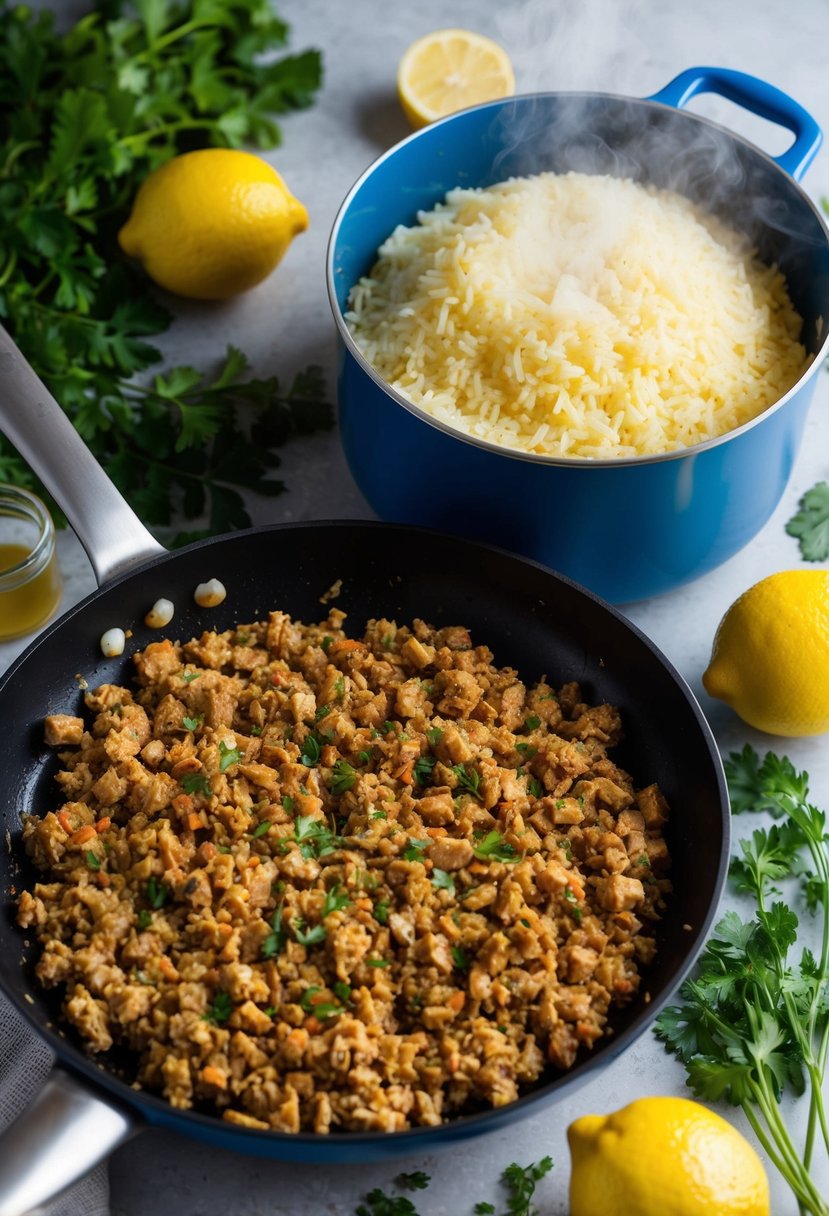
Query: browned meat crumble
<point x="321" y="884"/>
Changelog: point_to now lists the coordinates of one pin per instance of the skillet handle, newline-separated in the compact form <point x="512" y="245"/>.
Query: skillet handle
<point x="759" y="98"/>
<point x="60" y="1137"/>
<point x="112" y="534"/>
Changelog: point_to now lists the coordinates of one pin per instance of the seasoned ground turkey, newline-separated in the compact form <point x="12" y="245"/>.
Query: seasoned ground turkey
<point x="316" y="883"/>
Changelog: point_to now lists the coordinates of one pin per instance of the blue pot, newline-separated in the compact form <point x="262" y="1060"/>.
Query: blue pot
<point x="626" y="528"/>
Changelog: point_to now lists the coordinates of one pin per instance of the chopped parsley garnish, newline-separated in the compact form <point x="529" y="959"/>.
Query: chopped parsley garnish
<point x="378" y="962"/>
<point x="526" y="749"/>
<point x="228" y="756"/>
<point x="220" y="1010"/>
<point x="196" y="783"/>
<point x="275" y="941"/>
<point x="93" y="861"/>
<point x="343" y="777"/>
<point x="322" y="712"/>
<point x="469" y="779"/>
<point x="145" y="919"/>
<point x="307" y="937"/>
<point x="389" y="728"/>
<point x="532" y="723"/>
<point x="423" y="769"/>
<point x="414" y="850"/>
<point x="326" y="643"/>
<point x="339" y="688"/>
<point x="335" y="899"/>
<point x="443" y="880"/>
<point x="493" y="847"/>
<point x="311" y="749"/>
<point x="388" y="641"/>
<point x="156" y="893"/>
<point x="261" y="829"/>
<point x="379" y="814"/>
<point x="314" y="837"/>
<point x="287" y="803"/>
<point x="343" y="991"/>
<point x="188" y="676"/>
<point x="381" y="911"/>
<point x="434" y="734"/>
<point x="459" y="958"/>
<point x="811" y="524"/>
<point x="534" y="788"/>
<point x="364" y="757"/>
<point x="242" y="639"/>
<point x="192" y="723"/>
<point x="256" y="730"/>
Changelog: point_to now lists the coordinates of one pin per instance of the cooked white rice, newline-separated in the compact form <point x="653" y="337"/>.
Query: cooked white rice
<point x="578" y="315"/>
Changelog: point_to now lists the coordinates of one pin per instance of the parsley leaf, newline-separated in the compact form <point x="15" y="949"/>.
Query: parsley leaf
<point x="494" y="848"/>
<point x="196" y="783"/>
<point x="274" y="943"/>
<point x="469" y="779"/>
<point x="335" y="899"/>
<point x="343" y="777"/>
<point x="423" y="769"/>
<point x="192" y="723"/>
<point x="314" y="837"/>
<point x="443" y="880"/>
<point x="228" y="756"/>
<point x="811" y="524"/>
<point x="156" y="892"/>
<point x="220" y="1010"/>
<point x="414" y="850"/>
<point x="415" y="1181"/>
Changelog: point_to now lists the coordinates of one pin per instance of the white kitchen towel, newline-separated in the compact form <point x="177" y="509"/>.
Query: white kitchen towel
<point x="25" y="1062"/>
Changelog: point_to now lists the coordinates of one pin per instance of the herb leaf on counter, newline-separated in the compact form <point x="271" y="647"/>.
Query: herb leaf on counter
<point x="754" y="1022"/>
<point x="811" y="523"/>
<point x="85" y="116"/>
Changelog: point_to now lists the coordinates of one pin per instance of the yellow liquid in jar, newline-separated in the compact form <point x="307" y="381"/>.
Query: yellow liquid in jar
<point x="24" y="608"/>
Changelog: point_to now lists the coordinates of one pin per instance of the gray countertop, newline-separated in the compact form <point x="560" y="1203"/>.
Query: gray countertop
<point x="619" y="46"/>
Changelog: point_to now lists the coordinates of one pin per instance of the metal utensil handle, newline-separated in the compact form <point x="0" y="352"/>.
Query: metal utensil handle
<point x="112" y="534"/>
<point x="62" y="1135"/>
<point x="760" y="98"/>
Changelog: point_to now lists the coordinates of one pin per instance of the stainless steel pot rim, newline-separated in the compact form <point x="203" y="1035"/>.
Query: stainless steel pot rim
<point x="572" y="462"/>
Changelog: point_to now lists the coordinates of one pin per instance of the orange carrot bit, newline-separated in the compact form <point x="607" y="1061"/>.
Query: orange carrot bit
<point x="103" y="824"/>
<point x="214" y="1076"/>
<point x="435" y="831"/>
<point x="194" y="822"/>
<point x="102" y="878"/>
<point x="622" y="986"/>
<point x="405" y="773"/>
<point x="255" y="860"/>
<point x="224" y="930"/>
<point x="183" y="803"/>
<point x="299" y="1036"/>
<point x="65" y="821"/>
<point x="345" y="646"/>
<point x="457" y="1001"/>
<point x="167" y="969"/>
<point x="312" y="1024"/>
<point x="575" y="886"/>
<point x="82" y="836"/>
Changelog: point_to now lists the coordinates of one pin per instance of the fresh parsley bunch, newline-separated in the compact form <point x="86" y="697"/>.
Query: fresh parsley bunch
<point x="754" y="1022"/>
<point x="85" y="115"/>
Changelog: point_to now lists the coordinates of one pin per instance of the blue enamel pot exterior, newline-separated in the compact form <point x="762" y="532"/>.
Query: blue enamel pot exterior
<point x="628" y="528"/>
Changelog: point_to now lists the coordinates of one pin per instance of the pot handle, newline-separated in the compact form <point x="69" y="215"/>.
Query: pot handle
<point x="60" y="1137"/>
<point x="759" y="98"/>
<point x="112" y="534"/>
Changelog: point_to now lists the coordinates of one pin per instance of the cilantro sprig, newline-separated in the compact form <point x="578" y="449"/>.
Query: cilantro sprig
<point x="85" y="116"/>
<point x="754" y="1020"/>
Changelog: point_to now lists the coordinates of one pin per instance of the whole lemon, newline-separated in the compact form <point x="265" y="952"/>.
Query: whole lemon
<point x="663" y="1157"/>
<point x="212" y="223"/>
<point x="770" y="660"/>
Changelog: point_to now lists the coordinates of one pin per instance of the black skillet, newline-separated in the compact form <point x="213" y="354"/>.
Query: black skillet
<point x="532" y="619"/>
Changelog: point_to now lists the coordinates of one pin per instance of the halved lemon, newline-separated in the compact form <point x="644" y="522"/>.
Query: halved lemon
<point x="449" y="70"/>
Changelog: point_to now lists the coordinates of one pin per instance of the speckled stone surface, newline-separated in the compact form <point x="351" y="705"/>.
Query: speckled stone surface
<point x="618" y="46"/>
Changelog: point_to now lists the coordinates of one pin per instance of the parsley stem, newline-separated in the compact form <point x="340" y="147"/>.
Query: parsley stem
<point x="8" y="269"/>
<point x="151" y="133"/>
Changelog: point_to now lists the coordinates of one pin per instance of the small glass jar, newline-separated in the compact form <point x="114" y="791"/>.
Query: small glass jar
<point x="30" y="582"/>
